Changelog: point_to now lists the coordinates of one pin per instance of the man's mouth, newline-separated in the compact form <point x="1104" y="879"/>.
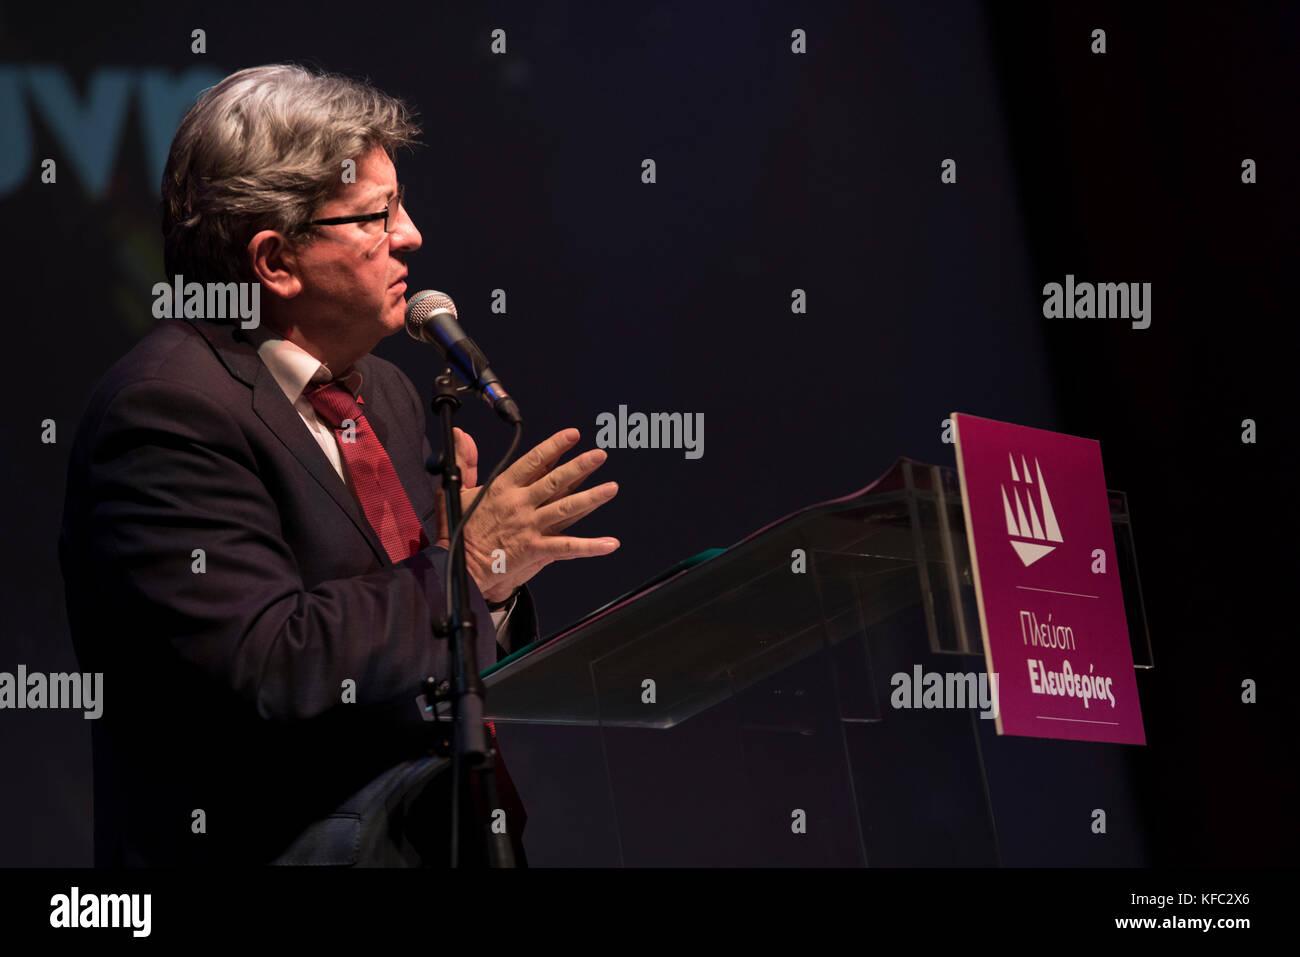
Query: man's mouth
<point x="400" y="281"/>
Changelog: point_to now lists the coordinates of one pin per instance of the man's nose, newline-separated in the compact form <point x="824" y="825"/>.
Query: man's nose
<point x="404" y="234"/>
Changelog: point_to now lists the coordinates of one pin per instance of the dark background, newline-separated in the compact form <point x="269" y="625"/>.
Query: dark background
<point x="775" y="172"/>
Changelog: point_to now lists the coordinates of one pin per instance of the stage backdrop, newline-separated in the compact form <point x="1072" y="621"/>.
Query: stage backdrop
<point x="853" y="214"/>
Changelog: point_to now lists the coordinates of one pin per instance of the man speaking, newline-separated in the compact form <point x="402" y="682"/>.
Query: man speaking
<point x="252" y="549"/>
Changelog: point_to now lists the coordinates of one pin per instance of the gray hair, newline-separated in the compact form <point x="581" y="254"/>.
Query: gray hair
<point x="264" y="149"/>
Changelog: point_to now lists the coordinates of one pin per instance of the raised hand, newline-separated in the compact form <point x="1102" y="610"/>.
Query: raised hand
<point x="529" y="504"/>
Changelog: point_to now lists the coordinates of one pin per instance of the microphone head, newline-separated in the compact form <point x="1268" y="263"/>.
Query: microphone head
<point x="431" y="317"/>
<point x="423" y="305"/>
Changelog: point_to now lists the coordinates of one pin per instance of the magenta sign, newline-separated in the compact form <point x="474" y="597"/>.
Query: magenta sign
<point x="1047" y="583"/>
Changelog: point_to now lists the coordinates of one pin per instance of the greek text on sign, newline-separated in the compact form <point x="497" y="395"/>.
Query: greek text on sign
<point x="1051" y="614"/>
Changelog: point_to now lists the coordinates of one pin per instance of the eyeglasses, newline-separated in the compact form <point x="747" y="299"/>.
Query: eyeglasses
<point x="388" y="215"/>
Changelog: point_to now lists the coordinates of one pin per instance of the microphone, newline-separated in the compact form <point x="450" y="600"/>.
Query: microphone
<point x="431" y="317"/>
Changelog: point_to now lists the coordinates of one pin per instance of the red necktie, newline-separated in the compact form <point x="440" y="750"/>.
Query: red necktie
<point x="378" y="488"/>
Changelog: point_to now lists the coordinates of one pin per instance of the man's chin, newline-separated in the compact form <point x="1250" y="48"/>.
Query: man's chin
<point x="397" y="314"/>
<point x="394" y="319"/>
<point x="397" y="325"/>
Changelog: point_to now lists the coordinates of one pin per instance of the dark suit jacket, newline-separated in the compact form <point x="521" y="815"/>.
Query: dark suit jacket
<point x="223" y="690"/>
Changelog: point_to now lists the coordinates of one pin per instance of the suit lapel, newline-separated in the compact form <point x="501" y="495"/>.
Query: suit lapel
<point x="271" y="405"/>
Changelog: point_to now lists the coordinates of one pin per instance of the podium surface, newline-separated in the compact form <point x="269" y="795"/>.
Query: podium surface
<point x="762" y="675"/>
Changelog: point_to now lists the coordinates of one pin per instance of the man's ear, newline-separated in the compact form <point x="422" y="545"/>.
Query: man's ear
<point x="275" y="263"/>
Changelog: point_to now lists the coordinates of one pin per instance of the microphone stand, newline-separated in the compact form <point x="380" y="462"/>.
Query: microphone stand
<point x="469" y="742"/>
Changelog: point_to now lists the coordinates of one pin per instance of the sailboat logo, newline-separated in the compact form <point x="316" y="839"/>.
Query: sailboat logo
<point x="1020" y="528"/>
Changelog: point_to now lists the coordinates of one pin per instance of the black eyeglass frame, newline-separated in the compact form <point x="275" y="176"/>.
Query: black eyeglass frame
<point x="387" y="215"/>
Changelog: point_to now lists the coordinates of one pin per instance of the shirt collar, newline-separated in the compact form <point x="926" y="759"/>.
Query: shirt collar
<point x="294" y="368"/>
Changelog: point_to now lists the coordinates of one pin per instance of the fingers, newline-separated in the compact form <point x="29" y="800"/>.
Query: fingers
<point x="563" y="489"/>
<point x="561" y="514"/>
<point x="562" y="547"/>
<point x="537" y="461"/>
<point x="466" y="458"/>
<point x="542" y="502"/>
<point x="560" y="481"/>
